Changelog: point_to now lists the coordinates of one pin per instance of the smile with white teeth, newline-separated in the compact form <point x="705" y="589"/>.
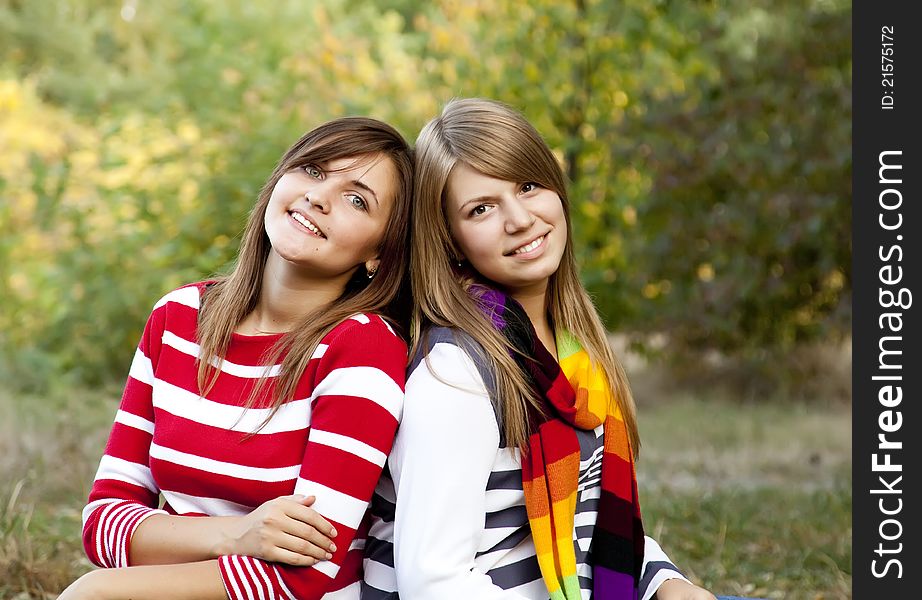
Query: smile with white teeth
<point x="529" y="247"/>
<point x="310" y="226"/>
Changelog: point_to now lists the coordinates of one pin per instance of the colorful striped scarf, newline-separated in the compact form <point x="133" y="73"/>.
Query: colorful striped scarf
<point x="575" y="396"/>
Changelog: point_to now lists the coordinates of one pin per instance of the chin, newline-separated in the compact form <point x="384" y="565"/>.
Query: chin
<point x="528" y="282"/>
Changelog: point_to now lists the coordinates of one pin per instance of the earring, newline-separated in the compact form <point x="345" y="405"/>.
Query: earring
<point x="372" y="272"/>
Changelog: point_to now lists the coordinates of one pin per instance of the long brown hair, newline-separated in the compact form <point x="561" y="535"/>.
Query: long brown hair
<point x="499" y="142"/>
<point x="231" y="298"/>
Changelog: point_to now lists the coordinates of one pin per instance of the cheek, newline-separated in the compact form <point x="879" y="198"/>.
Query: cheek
<point x="276" y="201"/>
<point x="369" y="237"/>
<point x="482" y="254"/>
<point x="469" y="241"/>
<point x="561" y="215"/>
<point x="285" y="185"/>
<point x="555" y="209"/>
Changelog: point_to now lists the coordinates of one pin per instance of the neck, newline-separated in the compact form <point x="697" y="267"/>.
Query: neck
<point x="286" y="297"/>
<point x="534" y="301"/>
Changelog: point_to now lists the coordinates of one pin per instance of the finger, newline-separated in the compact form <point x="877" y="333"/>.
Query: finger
<point x="296" y="500"/>
<point x="300" y="499"/>
<point x="285" y="556"/>
<point x="315" y="520"/>
<point x="310" y="534"/>
<point x="292" y="497"/>
<point x="305" y="547"/>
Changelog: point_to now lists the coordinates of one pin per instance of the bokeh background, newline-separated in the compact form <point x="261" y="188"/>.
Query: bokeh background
<point x="708" y="147"/>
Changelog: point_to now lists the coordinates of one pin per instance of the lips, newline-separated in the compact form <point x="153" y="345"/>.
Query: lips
<point x="306" y="223"/>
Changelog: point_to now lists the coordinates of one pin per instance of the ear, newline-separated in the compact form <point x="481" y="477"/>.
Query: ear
<point x="372" y="264"/>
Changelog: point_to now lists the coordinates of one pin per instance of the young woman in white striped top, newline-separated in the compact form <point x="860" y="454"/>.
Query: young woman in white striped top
<point x="512" y="472"/>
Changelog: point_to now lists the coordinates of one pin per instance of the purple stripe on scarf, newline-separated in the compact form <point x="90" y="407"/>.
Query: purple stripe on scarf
<point x="492" y="302"/>
<point x="611" y="585"/>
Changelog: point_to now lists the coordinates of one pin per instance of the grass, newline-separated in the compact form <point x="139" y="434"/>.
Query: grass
<point x="769" y="543"/>
<point x="49" y="449"/>
<point x="751" y="500"/>
<point x="746" y="499"/>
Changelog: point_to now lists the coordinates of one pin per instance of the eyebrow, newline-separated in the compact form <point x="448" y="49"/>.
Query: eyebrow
<point x="478" y="200"/>
<point x="365" y="187"/>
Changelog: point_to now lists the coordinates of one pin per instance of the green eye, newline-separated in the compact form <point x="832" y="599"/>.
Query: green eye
<point x="313" y="171"/>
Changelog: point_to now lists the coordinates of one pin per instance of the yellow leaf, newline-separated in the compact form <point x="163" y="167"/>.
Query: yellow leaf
<point x="705" y="272"/>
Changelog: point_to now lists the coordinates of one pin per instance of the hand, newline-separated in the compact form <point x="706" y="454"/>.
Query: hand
<point x="679" y="589"/>
<point x="284" y="530"/>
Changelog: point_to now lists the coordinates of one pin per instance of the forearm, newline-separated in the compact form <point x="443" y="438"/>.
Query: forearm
<point x="657" y="569"/>
<point x="171" y="539"/>
<point x="195" y="581"/>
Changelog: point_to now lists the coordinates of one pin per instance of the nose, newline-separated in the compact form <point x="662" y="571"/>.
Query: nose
<point x="518" y="217"/>
<point x="317" y="198"/>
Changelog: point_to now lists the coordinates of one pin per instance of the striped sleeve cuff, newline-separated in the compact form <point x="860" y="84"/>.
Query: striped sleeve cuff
<point x="657" y="568"/>
<point x="654" y="576"/>
<point x="117" y="524"/>
<point x="247" y="578"/>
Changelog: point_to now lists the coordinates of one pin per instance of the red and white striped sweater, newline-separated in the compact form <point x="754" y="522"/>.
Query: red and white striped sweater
<point x="331" y="441"/>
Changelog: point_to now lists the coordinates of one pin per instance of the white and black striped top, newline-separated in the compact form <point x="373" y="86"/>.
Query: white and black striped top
<point x="459" y="523"/>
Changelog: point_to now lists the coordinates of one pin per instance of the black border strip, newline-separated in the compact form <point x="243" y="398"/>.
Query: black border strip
<point x="886" y="265"/>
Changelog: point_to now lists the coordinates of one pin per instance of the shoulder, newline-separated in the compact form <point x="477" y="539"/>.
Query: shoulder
<point x="189" y="295"/>
<point x="178" y="309"/>
<point x="364" y="340"/>
<point x="451" y="354"/>
<point x="363" y="356"/>
<point x="366" y="328"/>
<point x="448" y="382"/>
<point x="433" y="337"/>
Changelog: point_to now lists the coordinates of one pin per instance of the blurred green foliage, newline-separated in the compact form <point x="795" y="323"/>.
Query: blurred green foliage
<point x="707" y="143"/>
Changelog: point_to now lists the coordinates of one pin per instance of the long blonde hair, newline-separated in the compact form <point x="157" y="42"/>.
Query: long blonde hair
<point x="499" y="142"/>
<point x="231" y="298"/>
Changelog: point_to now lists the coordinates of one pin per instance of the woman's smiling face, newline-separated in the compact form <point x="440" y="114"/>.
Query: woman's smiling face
<point x="512" y="233"/>
<point x="327" y="219"/>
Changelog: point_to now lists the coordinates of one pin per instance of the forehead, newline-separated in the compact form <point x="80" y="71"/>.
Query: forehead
<point x="374" y="165"/>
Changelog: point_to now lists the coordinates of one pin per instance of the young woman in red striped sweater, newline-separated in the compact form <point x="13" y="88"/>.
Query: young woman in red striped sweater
<point x="262" y="406"/>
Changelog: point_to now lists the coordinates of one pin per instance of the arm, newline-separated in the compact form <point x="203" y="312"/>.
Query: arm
<point x="442" y="459"/>
<point x="192" y="581"/>
<point x="657" y="568"/>
<point x="124" y="493"/>
<point x="356" y="405"/>
<point x="281" y="530"/>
